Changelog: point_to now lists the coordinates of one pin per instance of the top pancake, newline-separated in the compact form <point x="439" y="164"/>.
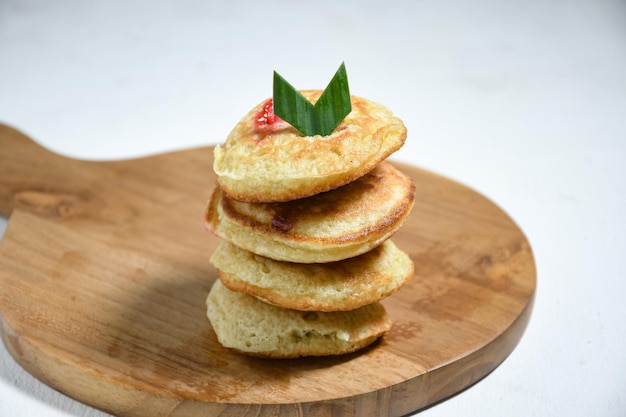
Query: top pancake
<point x="283" y="165"/>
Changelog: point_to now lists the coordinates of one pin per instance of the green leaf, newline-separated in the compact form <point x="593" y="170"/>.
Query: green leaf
<point x="320" y="119"/>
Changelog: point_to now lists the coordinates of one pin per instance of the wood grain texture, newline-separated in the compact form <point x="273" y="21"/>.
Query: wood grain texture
<point x="104" y="271"/>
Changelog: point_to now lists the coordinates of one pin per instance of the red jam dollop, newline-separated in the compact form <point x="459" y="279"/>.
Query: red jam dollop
<point x="266" y="121"/>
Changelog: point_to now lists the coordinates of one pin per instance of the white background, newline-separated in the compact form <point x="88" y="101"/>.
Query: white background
<point x="525" y="101"/>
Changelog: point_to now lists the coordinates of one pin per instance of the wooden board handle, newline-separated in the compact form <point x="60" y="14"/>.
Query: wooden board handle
<point x="25" y="166"/>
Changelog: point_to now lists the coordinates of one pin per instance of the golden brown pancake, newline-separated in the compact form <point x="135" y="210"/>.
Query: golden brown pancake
<point x="281" y="164"/>
<point x="335" y="286"/>
<point x="253" y="327"/>
<point x="326" y="227"/>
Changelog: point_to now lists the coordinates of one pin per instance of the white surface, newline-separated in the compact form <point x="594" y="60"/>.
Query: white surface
<point x="524" y="101"/>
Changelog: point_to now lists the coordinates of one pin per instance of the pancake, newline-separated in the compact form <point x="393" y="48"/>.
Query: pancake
<point x="250" y="326"/>
<point x="280" y="164"/>
<point x="336" y="286"/>
<point x="326" y="227"/>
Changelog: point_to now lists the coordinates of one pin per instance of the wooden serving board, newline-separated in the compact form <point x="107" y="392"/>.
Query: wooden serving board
<point x="104" y="273"/>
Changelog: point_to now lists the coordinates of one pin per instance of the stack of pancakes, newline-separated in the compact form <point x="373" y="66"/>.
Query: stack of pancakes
<point x="304" y="222"/>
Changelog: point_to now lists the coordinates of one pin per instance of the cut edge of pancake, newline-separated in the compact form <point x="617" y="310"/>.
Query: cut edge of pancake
<point x="253" y="327"/>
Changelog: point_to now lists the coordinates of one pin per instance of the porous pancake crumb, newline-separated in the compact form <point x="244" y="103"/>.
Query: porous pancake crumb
<point x="246" y="324"/>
